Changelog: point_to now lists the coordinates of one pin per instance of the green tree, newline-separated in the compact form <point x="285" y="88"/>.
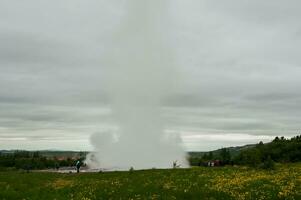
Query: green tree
<point x="225" y="155"/>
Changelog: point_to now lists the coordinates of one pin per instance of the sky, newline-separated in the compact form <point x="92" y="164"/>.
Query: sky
<point x="237" y="63"/>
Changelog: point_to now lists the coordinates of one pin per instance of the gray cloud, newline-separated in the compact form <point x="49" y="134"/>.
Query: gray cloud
<point x="238" y="71"/>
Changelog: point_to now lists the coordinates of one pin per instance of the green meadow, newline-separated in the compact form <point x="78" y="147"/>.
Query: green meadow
<point x="195" y="183"/>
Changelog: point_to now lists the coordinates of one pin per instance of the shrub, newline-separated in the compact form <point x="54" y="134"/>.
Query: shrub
<point x="268" y="164"/>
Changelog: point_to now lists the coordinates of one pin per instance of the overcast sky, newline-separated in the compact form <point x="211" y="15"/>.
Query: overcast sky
<point x="238" y="67"/>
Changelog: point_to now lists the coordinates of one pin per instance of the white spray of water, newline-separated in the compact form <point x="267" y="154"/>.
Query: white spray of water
<point x="141" y="76"/>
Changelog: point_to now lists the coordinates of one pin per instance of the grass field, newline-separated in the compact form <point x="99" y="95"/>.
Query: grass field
<point x="194" y="183"/>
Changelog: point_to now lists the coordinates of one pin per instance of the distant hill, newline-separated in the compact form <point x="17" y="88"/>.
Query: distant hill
<point x="279" y="150"/>
<point x="61" y="153"/>
<point x="49" y="153"/>
<point x="234" y="151"/>
<point x="284" y="150"/>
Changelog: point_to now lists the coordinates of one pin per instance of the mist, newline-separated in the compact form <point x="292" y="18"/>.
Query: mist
<point x="141" y="74"/>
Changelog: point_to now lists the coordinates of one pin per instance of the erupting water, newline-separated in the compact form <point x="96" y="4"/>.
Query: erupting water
<point x="141" y="76"/>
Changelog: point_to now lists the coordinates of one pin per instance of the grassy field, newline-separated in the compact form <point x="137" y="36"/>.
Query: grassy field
<point x="194" y="183"/>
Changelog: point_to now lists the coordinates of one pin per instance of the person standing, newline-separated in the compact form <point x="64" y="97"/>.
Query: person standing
<point x="78" y="166"/>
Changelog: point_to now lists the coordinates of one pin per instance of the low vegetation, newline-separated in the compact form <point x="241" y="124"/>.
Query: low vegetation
<point x="236" y="182"/>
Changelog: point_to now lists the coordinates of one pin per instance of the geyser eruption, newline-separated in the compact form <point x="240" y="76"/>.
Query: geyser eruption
<point x="141" y="75"/>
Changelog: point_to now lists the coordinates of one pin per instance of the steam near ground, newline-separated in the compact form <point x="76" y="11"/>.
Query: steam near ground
<point x="142" y="73"/>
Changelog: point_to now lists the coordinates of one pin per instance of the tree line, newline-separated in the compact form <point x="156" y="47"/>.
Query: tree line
<point x="27" y="160"/>
<point x="261" y="155"/>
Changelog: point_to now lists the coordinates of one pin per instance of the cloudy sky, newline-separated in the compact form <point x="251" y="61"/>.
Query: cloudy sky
<point x="238" y="69"/>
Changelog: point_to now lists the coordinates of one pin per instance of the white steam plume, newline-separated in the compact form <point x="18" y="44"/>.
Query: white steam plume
<point x="141" y="75"/>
